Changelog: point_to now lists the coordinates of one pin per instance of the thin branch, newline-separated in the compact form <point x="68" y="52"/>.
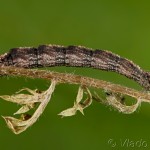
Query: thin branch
<point x="75" y="79"/>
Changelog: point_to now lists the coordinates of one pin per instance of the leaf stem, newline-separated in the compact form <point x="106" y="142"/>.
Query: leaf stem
<point x="75" y="79"/>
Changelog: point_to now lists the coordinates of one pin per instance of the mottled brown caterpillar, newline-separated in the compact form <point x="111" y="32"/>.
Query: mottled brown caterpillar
<point x="74" y="56"/>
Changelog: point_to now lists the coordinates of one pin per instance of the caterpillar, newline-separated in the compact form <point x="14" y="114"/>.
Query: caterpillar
<point x="74" y="56"/>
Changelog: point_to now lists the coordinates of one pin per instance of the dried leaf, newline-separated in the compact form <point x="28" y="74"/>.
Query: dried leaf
<point x="24" y="98"/>
<point x="20" y="125"/>
<point x="68" y="112"/>
<point x="24" y="109"/>
<point x="15" y="124"/>
<point x="33" y="92"/>
<point x="79" y="95"/>
<point x="88" y="101"/>
<point x="113" y="101"/>
<point x="77" y="104"/>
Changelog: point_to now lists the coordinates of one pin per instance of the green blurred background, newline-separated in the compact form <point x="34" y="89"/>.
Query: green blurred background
<point x="122" y="27"/>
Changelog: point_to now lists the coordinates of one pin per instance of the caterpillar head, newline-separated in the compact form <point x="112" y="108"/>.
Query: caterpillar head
<point x="145" y="81"/>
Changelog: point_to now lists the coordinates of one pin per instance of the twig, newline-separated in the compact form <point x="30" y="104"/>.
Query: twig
<point x="75" y="79"/>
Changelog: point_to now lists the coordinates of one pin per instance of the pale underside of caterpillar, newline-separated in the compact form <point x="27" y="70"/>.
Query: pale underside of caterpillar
<point x="74" y="56"/>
